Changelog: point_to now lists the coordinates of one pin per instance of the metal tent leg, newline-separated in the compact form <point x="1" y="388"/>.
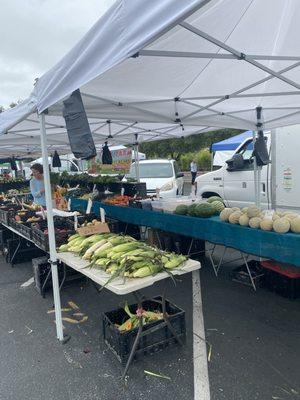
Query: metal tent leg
<point x="50" y="223"/>
<point x="210" y="255"/>
<point x="248" y="270"/>
<point x="221" y="259"/>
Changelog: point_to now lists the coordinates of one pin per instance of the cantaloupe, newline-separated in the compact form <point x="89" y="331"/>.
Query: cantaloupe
<point x="266" y="224"/>
<point x="295" y="225"/>
<point x="234" y="217"/>
<point x="244" y="220"/>
<point x="253" y="211"/>
<point x="255" y="222"/>
<point x="245" y="210"/>
<point x="281" y="225"/>
<point x="224" y="215"/>
<point x="236" y="209"/>
<point x="275" y="216"/>
<point x="290" y="216"/>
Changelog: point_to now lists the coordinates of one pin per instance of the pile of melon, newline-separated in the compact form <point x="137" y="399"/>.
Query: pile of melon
<point x="253" y="217"/>
<point x="213" y="206"/>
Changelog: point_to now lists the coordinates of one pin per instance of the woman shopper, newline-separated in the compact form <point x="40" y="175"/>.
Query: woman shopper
<point x="193" y="167"/>
<point x="37" y="187"/>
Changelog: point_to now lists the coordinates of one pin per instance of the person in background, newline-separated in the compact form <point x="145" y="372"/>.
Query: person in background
<point x="37" y="184"/>
<point x="193" y="167"/>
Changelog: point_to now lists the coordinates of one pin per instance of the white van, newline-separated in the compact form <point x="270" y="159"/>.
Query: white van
<point x="280" y="180"/>
<point x="164" y="175"/>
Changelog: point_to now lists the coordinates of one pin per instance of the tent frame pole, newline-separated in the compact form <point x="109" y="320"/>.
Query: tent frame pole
<point x="257" y="168"/>
<point x="136" y="158"/>
<point x="255" y="171"/>
<point x="51" y="232"/>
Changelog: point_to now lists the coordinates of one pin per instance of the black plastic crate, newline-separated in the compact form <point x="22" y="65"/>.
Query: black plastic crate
<point x="43" y="277"/>
<point x="115" y="187"/>
<point x="23" y="228"/>
<point x="26" y="251"/>
<point x="5" y="234"/>
<point x="132" y="189"/>
<point x="120" y="343"/>
<point x="286" y="285"/>
<point x="40" y="238"/>
<point x="113" y="225"/>
<point x="5" y="216"/>
<point x="240" y="274"/>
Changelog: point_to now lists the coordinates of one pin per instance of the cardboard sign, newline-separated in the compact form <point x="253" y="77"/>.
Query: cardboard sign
<point x="93" y="229"/>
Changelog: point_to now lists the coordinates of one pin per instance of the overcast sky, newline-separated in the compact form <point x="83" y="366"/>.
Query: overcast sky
<point x="35" y="34"/>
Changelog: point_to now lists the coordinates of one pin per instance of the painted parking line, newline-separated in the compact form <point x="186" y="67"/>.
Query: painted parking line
<point x="201" y="380"/>
<point x="28" y="283"/>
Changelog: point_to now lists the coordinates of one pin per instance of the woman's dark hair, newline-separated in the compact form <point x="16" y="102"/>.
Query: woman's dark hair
<point x="37" y="167"/>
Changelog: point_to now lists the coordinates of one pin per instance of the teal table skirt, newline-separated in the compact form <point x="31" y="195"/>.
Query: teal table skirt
<point x="280" y="247"/>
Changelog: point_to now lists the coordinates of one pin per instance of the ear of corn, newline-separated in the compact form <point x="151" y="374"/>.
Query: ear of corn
<point x="150" y="269"/>
<point x="90" y="251"/>
<point x="122" y="256"/>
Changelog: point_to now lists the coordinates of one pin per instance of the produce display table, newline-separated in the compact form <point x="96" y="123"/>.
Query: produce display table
<point x="134" y="285"/>
<point x="280" y="247"/>
<point x="117" y="286"/>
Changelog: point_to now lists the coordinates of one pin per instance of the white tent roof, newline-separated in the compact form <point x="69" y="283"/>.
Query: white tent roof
<point x="24" y="138"/>
<point x="199" y="63"/>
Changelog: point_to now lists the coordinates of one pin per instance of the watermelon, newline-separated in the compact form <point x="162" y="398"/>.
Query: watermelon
<point x="218" y="206"/>
<point x="181" y="209"/>
<point x="205" y="210"/>
<point x="192" y="210"/>
<point x="214" y="198"/>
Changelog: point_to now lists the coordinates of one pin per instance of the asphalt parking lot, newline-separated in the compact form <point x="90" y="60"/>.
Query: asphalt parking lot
<point x="254" y="340"/>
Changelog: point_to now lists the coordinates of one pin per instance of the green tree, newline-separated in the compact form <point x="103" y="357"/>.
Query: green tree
<point x="175" y="148"/>
<point x="203" y="159"/>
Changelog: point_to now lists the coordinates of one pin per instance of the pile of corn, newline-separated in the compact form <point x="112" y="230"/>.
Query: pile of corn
<point x="121" y="256"/>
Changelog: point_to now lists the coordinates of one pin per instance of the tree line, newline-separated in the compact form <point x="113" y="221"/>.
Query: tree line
<point x="185" y="149"/>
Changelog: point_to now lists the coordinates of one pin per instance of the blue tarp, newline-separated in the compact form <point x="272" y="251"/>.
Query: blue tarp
<point x="280" y="247"/>
<point x="232" y="143"/>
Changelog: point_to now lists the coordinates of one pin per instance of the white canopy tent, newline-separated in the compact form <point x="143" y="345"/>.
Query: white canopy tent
<point x="183" y="63"/>
<point x="24" y="138"/>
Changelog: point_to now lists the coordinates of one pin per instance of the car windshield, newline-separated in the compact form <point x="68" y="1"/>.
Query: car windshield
<point x="152" y="170"/>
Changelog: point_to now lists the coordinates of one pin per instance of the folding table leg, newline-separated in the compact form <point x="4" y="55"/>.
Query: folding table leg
<point x="158" y="239"/>
<point x="210" y="255"/>
<point x="221" y="259"/>
<point x="191" y="246"/>
<point x="15" y="253"/>
<point x="248" y="270"/>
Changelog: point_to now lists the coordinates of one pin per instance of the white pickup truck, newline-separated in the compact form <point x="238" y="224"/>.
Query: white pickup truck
<point x="280" y="180"/>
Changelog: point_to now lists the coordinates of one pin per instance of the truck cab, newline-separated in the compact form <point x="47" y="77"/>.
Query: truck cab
<point x="235" y="183"/>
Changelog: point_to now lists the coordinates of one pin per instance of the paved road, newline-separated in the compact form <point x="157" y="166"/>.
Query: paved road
<point x="254" y="339"/>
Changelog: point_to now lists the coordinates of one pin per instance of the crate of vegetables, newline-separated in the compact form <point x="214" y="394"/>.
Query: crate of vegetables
<point x="120" y="328"/>
<point x="7" y="211"/>
<point x="39" y="234"/>
<point x="24" y="228"/>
